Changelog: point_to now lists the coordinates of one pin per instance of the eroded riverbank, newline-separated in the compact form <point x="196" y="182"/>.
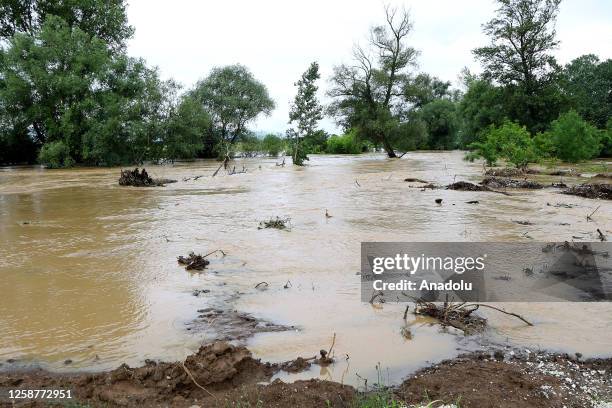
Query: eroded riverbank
<point x="222" y="375"/>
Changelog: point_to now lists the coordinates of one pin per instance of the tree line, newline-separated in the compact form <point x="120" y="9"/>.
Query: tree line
<point x="70" y="94"/>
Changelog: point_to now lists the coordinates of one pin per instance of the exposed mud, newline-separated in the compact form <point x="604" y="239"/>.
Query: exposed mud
<point x="221" y="375"/>
<point x="512" y="380"/>
<point x="231" y="324"/>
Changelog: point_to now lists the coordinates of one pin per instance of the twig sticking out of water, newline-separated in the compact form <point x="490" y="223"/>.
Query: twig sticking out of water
<point x="332" y="345"/>
<point x="602" y="237"/>
<point x="261" y="284"/>
<point x="503" y="311"/>
<point x="590" y="216"/>
<point x="216" y="250"/>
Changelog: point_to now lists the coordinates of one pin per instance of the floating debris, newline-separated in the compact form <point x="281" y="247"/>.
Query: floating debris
<point x="193" y="262"/>
<point x="278" y="223"/>
<point x="494" y="182"/>
<point x="415" y="180"/>
<point x="601" y="191"/>
<point x="137" y="178"/>
<point x="465" y="186"/>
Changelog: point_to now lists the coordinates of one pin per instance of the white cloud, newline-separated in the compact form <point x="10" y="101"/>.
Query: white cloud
<point x="278" y="39"/>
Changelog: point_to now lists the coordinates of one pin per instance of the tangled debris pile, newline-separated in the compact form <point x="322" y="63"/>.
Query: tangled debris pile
<point x="457" y="315"/>
<point x="278" y="223"/>
<point x="136" y="178"/>
<point x="601" y="191"/>
<point x="465" y="186"/>
<point x="495" y="182"/>
<point x="193" y="262"/>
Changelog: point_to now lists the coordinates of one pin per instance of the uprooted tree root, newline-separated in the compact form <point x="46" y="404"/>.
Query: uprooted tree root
<point x="459" y="315"/>
<point x="278" y="223"/>
<point x="137" y="178"/>
<point x="601" y="191"/>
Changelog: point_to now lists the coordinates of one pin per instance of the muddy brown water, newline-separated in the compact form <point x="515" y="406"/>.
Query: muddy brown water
<point x="88" y="269"/>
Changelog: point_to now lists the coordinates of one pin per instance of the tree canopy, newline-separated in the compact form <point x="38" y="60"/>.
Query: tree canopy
<point x="369" y="93"/>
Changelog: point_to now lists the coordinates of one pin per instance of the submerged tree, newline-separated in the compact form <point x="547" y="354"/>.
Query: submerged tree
<point x="305" y="112"/>
<point x="369" y="95"/>
<point x="233" y="97"/>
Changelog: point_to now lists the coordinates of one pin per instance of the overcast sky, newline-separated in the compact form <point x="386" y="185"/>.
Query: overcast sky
<point x="277" y="39"/>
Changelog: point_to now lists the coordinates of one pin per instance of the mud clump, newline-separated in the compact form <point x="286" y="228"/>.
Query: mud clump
<point x="600" y="191"/>
<point x="193" y="262"/>
<point x="495" y="182"/>
<point x="229" y="325"/>
<point x="214" y="367"/>
<point x="296" y="366"/>
<point x="137" y="178"/>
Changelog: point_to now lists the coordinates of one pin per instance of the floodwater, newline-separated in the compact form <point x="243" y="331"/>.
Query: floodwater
<point x="88" y="269"/>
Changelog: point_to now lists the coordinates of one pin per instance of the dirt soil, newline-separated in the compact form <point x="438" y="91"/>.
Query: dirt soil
<point x="224" y="375"/>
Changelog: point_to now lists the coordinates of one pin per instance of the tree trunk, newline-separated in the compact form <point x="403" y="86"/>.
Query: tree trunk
<point x="388" y="148"/>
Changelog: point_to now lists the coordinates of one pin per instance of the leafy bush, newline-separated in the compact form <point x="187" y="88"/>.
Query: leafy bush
<point x="55" y="155"/>
<point x="606" y="140"/>
<point x="509" y="141"/>
<point x="272" y="145"/>
<point x="574" y="139"/>
<point x="544" y="145"/>
<point x="345" y="144"/>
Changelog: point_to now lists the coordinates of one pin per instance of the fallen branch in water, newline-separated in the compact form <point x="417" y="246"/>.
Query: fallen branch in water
<point x="503" y="311"/>
<point x="216" y="250"/>
<point x="262" y="283"/>
<point x="602" y="237"/>
<point x="590" y="216"/>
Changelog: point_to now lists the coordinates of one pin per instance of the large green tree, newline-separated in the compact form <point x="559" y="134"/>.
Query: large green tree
<point x="368" y="95"/>
<point x="440" y="117"/>
<point x="233" y="98"/>
<point x="522" y="36"/>
<point x="104" y="19"/>
<point x="305" y="112"/>
<point x="588" y="83"/>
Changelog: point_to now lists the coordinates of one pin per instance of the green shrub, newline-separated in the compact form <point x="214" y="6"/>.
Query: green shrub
<point x="345" y="144"/>
<point x="55" y="155"/>
<point x="272" y="145"/>
<point x="544" y="145"/>
<point x="606" y="140"/>
<point x="509" y="141"/>
<point x="574" y="139"/>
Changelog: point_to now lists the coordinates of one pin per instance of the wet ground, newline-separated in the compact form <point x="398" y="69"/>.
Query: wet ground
<point x="89" y="271"/>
